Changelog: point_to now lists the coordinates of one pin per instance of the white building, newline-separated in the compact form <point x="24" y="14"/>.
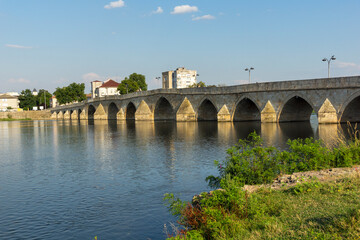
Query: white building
<point x="107" y="88"/>
<point x="8" y="102"/>
<point x="180" y="78"/>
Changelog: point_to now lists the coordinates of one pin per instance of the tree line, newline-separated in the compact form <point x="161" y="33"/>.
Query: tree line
<point x="72" y="93"/>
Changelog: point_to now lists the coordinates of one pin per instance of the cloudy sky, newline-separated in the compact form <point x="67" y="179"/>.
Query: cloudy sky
<point x="52" y="43"/>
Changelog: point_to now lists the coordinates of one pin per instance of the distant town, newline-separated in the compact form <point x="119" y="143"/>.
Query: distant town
<point x="40" y="100"/>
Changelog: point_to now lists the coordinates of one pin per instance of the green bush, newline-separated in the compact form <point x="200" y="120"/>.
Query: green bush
<point x="250" y="163"/>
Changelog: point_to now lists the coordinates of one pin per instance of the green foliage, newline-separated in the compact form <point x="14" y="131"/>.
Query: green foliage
<point x="27" y="99"/>
<point x="135" y="82"/>
<point x="72" y="93"/>
<point x="197" y="85"/>
<point x="42" y="96"/>
<point x="175" y="205"/>
<point x="248" y="163"/>
<point x="251" y="163"/>
<point x="232" y="213"/>
<point x="322" y="210"/>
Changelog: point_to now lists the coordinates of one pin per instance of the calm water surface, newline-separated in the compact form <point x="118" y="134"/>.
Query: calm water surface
<point x="78" y="180"/>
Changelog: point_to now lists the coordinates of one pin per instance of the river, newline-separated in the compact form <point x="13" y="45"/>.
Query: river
<point x="78" y="180"/>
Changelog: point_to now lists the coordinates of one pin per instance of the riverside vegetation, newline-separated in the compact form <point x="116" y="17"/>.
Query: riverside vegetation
<point x="308" y="210"/>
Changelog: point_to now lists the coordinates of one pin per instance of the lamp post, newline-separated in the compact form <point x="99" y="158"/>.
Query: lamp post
<point x="157" y="79"/>
<point x="249" y="70"/>
<point x="329" y="60"/>
<point x="126" y="88"/>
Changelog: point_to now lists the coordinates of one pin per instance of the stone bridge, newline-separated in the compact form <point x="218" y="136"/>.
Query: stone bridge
<point x="333" y="100"/>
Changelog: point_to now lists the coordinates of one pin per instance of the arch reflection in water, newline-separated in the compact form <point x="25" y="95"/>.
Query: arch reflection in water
<point x="243" y="129"/>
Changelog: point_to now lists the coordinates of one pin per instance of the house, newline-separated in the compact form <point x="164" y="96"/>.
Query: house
<point x="8" y="102"/>
<point x="102" y="89"/>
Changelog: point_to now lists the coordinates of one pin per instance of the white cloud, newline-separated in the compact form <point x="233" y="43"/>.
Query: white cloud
<point x="205" y="17"/>
<point x="17" y="46"/>
<point x="184" y="9"/>
<point x="348" y="65"/>
<point x="159" y="10"/>
<point x="116" y="4"/>
<point x="89" y="77"/>
<point x="18" y="80"/>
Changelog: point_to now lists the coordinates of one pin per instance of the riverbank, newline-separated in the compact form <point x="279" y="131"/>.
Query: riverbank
<point x="25" y="115"/>
<point x="306" y="192"/>
<point x="12" y="119"/>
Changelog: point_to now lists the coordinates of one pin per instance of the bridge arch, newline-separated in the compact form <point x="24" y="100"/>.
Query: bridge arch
<point x="91" y="112"/>
<point x="246" y="110"/>
<point x="112" y="111"/>
<point x="164" y="110"/>
<point x="130" y="111"/>
<point x="207" y="111"/>
<point x="296" y="108"/>
<point x="350" y="110"/>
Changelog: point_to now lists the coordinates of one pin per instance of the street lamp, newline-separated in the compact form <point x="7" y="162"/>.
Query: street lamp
<point x="329" y="60"/>
<point x="126" y="88"/>
<point x="158" y="78"/>
<point x="249" y="70"/>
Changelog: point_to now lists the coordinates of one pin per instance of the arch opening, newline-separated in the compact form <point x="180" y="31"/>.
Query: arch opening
<point x="130" y="111"/>
<point x="164" y="110"/>
<point x="112" y="111"/>
<point x="296" y="109"/>
<point x="207" y="111"/>
<point x="352" y="111"/>
<point x="91" y="111"/>
<point x="246" y="110"/>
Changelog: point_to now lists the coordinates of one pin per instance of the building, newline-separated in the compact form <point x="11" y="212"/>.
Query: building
<point x="102" y="89"/>
<point x="35" y="92"/>
<point x="8" y="102"/>
<point x="180" y="78"/>
<point x="53" y="102"/>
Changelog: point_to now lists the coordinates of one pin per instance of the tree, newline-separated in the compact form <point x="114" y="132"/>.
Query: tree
<point x="135" y="82"/>
<point x="42" y="96"/>
<point x="27" y="99"/>
<point x="140" y="80"/>
<point x="72" y="93"/>
<point x="196" y="85"/>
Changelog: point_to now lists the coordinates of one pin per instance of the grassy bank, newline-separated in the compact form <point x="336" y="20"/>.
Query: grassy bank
<point x="13" y="119"/>
<point x="308" y="210"/>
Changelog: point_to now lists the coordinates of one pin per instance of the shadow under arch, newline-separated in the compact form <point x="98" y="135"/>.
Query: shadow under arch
<point x="207" y="111"/>
<point x="164" y="110"/>
<point x="296" y="109"/>
<point x="351" y="111"/>
<point x="91" y="112"/>
<point x="112" y="111"/>
<point x="79" y="111"/>
<point x="130" y="111"/>
<point x="246" y="110"/>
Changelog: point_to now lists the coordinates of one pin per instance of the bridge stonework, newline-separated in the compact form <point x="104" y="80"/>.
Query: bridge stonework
<point x="332" y="100"/>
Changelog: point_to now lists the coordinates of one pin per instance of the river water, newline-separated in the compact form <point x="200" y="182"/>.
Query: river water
<point x="78" y="180"/>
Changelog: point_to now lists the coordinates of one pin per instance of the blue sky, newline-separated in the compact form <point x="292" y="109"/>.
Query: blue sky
<point x="52" y="43"/>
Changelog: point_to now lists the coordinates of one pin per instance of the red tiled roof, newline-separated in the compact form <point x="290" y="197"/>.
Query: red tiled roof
<point x="110" y="83"/>
<point x="96" y="81"/>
